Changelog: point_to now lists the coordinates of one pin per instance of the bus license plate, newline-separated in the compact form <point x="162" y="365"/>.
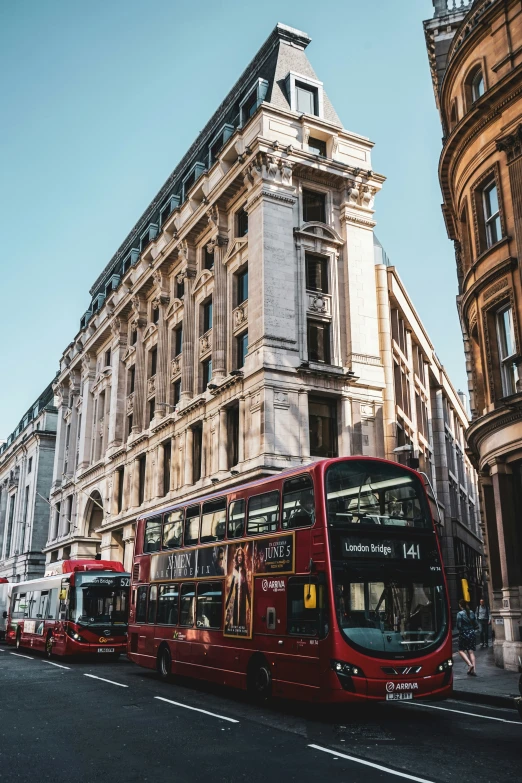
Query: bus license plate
<point x="106" y="649"/>
<point x="398" y="696"/>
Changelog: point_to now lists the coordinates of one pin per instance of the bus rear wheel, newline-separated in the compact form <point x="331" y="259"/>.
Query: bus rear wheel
<point x="49" y="646"/>
<point x="164" y="663"/>
<point x="259" y="679"/>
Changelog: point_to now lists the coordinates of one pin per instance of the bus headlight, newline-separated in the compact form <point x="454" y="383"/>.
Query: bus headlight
<point x="348" y="669"/>
<point x="445" y="665"/>
<point x="75" y="635"/>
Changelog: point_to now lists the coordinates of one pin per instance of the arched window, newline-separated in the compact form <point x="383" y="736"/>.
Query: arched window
<point x="477" y="85"/>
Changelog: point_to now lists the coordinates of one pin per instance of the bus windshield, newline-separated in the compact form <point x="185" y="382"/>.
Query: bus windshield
<point x="385" y="609"/>
<point x="99" y="604"/>
<point x="364" y="492"/>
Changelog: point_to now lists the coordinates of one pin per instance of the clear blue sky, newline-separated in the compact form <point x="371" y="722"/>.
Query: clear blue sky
<point x="101" y="99"/>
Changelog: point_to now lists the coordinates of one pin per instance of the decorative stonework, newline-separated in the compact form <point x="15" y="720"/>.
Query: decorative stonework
<point x="499" y="285"/>
<point x="240" y="316"/>
<point x="130" y="403"/>
<point x="319" y="304"/>
<point x="205" y="343"/>
<point x="151" y="386"/>
<point x="281" y="399"/>
<point x="511" y="145"/>
<point x="269" y="168"/>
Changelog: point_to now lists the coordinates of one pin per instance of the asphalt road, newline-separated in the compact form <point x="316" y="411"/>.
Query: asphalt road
<point x="91" y="722"/>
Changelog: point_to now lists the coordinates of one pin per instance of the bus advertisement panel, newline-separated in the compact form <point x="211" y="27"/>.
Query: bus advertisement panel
<point x="322" y="583"/>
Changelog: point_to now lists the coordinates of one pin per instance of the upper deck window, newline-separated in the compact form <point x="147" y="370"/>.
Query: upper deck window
<point x="213" y="521"/>
<point x="263" y="513"/>
<point x="152" y="537"/>
<point x="361" y="492"/>
<point x="192" y="525"/>
<point x="298" y="502"/>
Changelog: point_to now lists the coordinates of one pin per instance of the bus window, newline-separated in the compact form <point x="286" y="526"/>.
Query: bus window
<point x="192" y="525"/>
<point x="302" y="621"/>
<point x="18" y="605"/>
<point x="209" y="611"/>
<point x="263" y="513"/>
<point x="41" y="609"/>
<point x="152" y="538"/>
<point x="173" y="529"/>
<point x="298" y="502"/>
<point x="168" y="605"/>
<point x="27" y="604"/>
<point x="141" y="604"/>
<point x="151" y="609"/>
<point x="52" y="604"/>
<point x="186" y="613"/>
<point x="34" y="603"/>
<point x="213" y="520"/>
<point x="236" y="519"/>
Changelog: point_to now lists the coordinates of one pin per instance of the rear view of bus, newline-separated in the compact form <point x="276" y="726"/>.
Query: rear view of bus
<point x="83" y="610"/>
<point x="392" y="634"/>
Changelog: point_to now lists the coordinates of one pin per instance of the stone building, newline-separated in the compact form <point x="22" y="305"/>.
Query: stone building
<point x="475" y="56"/>
<point x="236" y="332"/>
<point x="26" y="471"/>
<point x="425" y="421"/>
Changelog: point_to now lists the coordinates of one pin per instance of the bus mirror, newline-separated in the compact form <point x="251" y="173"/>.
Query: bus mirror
<point x="310" y="597"/>
<point x="4" y="615"/>
<point x="63" y="595"/>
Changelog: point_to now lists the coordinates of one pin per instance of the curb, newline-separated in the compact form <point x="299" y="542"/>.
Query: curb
<point x="486" y="699"/>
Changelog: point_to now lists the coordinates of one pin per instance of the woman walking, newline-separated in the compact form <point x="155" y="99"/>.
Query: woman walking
<point x="466" y="625"/>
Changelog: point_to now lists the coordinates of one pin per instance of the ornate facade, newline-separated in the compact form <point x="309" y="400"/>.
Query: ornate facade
<point x="236" y="332"/>
<point x="26" y="470"/>
<point x="475" y="56"/>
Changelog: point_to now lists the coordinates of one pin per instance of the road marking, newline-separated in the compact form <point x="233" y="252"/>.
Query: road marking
<point x="22" y="656"/>
<point x="370" y="764"/>
<point x="196" y="709"/>
<point x="461" y="712"/>
<point x="94" y="677"/>
<point x="60" y="666"/>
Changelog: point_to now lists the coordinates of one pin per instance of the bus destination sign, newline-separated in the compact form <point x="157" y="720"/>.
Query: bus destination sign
<point x="384" y="549"/>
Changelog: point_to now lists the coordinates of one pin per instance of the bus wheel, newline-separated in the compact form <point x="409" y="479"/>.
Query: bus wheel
<point x="259" y="679"/>
<point x="49" y="646"/>
<point x="164" y="663"/>
<point x="18" y="642"/>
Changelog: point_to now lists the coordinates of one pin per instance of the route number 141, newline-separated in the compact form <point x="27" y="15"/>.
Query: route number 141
<point x="411" y="552"/>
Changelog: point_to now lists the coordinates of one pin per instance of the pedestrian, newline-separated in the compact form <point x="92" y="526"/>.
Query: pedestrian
<point x="484" y="621"/>
<point x="466" y="625"/>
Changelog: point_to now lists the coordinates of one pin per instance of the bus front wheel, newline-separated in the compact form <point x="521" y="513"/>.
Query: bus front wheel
<point x="164" y="663"/>
<point x="259" y="679"/>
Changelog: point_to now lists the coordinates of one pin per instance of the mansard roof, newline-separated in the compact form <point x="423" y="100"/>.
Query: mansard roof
<point x="283" y="52"/>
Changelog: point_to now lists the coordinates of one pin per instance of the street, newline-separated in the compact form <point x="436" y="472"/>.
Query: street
<point x="91" y="721"/>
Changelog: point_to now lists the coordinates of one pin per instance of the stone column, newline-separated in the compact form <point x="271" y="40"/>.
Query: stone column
<point x="223" y="440"/>
<point x="59" y="454"/>
<point x="116" y="483"/>
<point x="242" y="411"/>
<point x="117" y="401"/>
<point x="140" y="380"/>
<point x="189" y="326"/>
<point x="160" y="302"/>
<point x="304" y="427"/>
<point x="385" y="342"/>
<point x="135" y="483"/>
<point x="189" y="471"/>
<point x="218" y="247"/>
<point x="160" y="470"/>
<point x="174" y="464"/>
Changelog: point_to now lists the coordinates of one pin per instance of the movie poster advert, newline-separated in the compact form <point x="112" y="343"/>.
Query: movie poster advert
<point x="238" y="591"/>
<point x="212" y="561"/>
<point x="173" y="565"/>
<point x="274" y="555"/>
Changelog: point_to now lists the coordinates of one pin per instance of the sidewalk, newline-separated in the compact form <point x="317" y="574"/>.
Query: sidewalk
<point x="492" y="685"/>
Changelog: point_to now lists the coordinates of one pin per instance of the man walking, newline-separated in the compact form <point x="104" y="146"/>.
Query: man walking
<point x="484" y="619"/>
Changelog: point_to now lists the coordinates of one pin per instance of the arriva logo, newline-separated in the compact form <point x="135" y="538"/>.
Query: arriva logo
<point x="401" y="686"/>
<point x="276" y="585"/>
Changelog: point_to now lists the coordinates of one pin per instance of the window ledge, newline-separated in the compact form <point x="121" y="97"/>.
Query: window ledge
<point x="489" y="250"/>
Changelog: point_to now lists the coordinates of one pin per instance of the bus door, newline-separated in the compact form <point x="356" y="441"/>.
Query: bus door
<point x="270" y="613"/>
<point x="307" y="624"/>
<point x="62" y="615"/>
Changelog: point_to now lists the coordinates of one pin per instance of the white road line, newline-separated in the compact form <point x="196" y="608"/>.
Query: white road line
<point x="196" y="709"/>
<point x="370" y="764"/>
<point x="60" y="666"/>
<point x="94" y="677"/>
<point x="22" y="656"/>
<point x="461" y="712"/>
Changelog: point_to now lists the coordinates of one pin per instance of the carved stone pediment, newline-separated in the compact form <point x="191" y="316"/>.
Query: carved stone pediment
<point x="131" y="350"/>
<point x="202" y="279"/>
<point x="236" y="246"/>
<point x="150" y="331"/>
<point x="173" y="308"/>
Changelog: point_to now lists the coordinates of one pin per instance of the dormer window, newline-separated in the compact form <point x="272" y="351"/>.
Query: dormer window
<point x="252" y="100"/>
<point x="305" y="95"/>
<point x="168" y="208"/>
<point x="130" y="260"/>
<point x="317" y="147"/>
<point x="193" y="175"/>
<point x="148" y="236"/>
<point x="218" y="142"/>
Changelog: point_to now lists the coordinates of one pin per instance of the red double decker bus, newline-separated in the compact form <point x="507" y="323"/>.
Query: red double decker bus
<point x="321" y="583"/>
<point x="83" y="610"/>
